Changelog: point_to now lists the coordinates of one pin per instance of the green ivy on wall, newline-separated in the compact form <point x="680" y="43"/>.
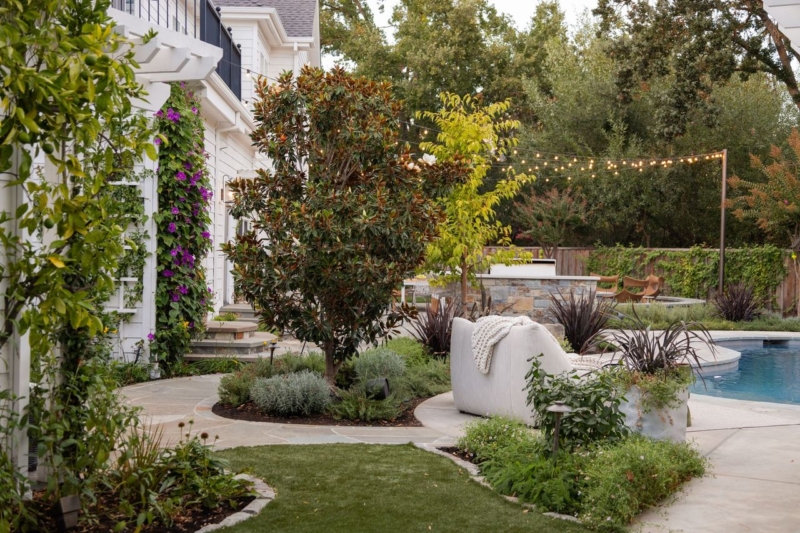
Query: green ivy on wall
<point x="184" y="193"/>
<point x="694" y="273"/>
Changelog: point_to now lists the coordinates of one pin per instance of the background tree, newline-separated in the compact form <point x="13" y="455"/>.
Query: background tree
<point x="774" y="204"/>
<point x="330" y="245"/>
<point x="548" y="218"/>
<point x="457" y="46"/>
<point x="481" y="135"/>
<point x="698" y="44"/>
<point x="580" y="114"/>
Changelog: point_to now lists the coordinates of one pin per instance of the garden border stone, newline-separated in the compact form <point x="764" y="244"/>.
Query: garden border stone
<point x="265" y="495"/>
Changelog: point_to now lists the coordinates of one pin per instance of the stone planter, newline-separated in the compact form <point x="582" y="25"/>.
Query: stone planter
<point x="664" y="424"/>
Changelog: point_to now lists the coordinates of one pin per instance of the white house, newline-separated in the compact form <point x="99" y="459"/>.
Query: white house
<point x="239" y="40"/>
<point x="217" y="47"/>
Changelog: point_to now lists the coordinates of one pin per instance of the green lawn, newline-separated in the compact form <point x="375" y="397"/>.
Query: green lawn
<point x="365" y="488"/>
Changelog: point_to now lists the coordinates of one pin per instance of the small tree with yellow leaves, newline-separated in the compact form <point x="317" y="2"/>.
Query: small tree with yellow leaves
<point x="481" y="135"/>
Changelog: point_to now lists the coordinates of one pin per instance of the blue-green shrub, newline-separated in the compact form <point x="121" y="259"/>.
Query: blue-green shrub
<point x="301" y="393"/>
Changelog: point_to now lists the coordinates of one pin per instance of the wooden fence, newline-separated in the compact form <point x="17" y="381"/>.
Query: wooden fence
<point x="572" y="262"/>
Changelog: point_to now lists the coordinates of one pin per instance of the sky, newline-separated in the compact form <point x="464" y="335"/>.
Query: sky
<point x="520" y="11"/>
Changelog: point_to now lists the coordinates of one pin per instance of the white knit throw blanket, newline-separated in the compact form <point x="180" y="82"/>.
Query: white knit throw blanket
<point x="490" y="330"/>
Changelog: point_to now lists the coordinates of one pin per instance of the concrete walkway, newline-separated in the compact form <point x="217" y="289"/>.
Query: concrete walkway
<point x="753" y="447"/>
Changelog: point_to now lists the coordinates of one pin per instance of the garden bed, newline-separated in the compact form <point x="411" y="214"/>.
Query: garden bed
<point x="189" y="520"/>
<point x="251" y="413"/>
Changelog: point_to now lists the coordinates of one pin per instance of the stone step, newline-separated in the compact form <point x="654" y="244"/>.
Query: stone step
<point x="242" y="310"/>
<point x="245" y="358"/>
<point x="230" y="330"/>
<point x="257" y="343"/>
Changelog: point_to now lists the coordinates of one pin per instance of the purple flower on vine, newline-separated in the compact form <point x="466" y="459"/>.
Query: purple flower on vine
<point x="175" y="251"/>
<point x="183" y="290"/>
<point x="191" y="324"/>
<point x="172" y="228"/>
<point x="157" y="141"/>
<point x="206" y="194"/>
<point x="210" y="290"/>
<point x="206" y="235"/>
<point x="203" y="301"/>
<point x="182" y="199"/>
<point x="196" y="177"/>
<point x="173" y="115"/>
<point x="151" y="337"/>
<point x="159" y="113"/>
<point x="183" y="85"/>
<point x="187" y="166"/>
<point x="194" y="110"/>
<point x="175" y="210"/>
<point x="180" y="176"/>
<point x="175" y="297"/>
<point x="168" y="273"/>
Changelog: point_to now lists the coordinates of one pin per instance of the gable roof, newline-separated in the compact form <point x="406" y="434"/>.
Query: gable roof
<point x="297" y="16"/>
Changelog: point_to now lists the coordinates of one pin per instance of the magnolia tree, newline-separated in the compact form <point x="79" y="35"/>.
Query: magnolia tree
<point x="547" y="218"/>
<point x="482" y="135"/>
<point x="341" y="218"/>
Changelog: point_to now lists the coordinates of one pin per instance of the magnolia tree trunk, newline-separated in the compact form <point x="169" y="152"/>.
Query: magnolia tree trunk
<point x="331" y="368"/>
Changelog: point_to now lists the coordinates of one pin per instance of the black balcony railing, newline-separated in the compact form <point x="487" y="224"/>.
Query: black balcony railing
<point x="199" y="19"/>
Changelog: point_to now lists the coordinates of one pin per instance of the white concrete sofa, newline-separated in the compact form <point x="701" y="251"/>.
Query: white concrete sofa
<point x="502" y="391"/>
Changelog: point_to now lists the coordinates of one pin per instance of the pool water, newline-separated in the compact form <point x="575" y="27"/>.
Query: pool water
<point x="766" y="374"/>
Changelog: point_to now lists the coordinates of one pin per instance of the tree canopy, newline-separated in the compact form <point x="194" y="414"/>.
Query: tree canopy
<point x="335" y="230"/>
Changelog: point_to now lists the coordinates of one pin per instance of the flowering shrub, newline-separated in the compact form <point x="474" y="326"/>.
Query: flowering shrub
<point x="184" y="193"/>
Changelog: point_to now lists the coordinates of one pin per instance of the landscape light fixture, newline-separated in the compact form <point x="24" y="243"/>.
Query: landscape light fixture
<point x="559" y="409"/>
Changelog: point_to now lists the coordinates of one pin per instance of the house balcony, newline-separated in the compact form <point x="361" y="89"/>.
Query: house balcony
<point x="197" y="19"/>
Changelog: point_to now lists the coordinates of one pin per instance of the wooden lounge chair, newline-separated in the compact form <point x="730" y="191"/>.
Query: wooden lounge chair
<point x="612" y="280"/>
<point x="651" y="288"/>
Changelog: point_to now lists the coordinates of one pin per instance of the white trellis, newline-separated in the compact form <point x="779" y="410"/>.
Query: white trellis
<point x="139" y="320"/>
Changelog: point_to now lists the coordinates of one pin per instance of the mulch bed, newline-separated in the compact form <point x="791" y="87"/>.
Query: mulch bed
<point x="460" y="454"/>
<point x="251" y="413"/>
<point x="189" y="521"/>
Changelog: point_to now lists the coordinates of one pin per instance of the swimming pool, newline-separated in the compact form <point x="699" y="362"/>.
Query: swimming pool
<point x="768" y="373"/>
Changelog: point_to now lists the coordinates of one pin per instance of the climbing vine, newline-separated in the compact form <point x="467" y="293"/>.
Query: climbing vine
<point x="183" y="298"/>
<point x="693" y="273"/>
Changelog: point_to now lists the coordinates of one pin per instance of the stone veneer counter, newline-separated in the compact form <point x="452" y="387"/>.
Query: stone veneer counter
<point x="528" y="294"/>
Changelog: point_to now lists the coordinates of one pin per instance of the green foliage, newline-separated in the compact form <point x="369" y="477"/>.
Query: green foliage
<point x="413" y="352"/>
<point x="356" y="405"/>
<point x="423" y="381"/>
<point x="234" y="389"/>
<point x="659" y="390"/>
<point x="329" y="247"/>
<point x="694" y="273"/>
<point x="621" y="480"/>
<point x="484" y="438"/>
<point x="15" y="515"/>
<point x="153" y="483"/>
<point x="183" y="222"/>
<point x="548" y="218"/>
<point x="658" y="316"/>
<point x="577" y="110"/>
<point x="379" y="363"/>
<point x="594" y="401"/>
<point x="479" y="133"/>
<point x="129" y="373"/>
<point x="700" y="44"/>
<point x="523" y="470"/>
<point x="299" y="394"/>
<point x="292" y="362"/>
<point x="226" y="317"/>
<point x="605" y="484"/>
<point x="429" y="37"/>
